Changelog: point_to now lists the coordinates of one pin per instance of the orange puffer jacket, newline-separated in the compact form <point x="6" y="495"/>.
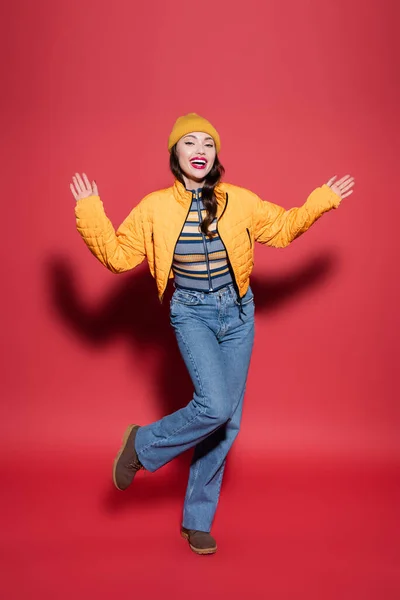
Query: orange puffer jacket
<point x="153" y="227"/>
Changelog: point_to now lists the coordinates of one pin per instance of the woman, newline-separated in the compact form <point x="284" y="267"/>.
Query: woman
<point x="201" y="232"/>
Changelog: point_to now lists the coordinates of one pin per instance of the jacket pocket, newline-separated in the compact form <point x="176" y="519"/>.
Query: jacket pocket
<point x="248" y="233"/>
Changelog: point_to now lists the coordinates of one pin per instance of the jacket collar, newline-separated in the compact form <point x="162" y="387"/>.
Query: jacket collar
<point x="184" y="196"/>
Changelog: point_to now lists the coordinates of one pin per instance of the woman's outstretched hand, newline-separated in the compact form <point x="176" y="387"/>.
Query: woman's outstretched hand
<point x="342" y="186"/>
<point x="82" y="188"/>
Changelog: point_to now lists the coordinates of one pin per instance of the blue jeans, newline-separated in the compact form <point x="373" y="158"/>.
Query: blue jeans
<point x="216" y="340"/>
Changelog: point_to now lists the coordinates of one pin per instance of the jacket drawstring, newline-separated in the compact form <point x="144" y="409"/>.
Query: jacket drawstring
<point x="241" y="311"/>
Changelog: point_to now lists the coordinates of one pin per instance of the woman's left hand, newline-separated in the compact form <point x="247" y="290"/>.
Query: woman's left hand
<point x="342" y="186"/>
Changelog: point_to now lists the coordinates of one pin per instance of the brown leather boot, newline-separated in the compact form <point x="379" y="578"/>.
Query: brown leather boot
<point x="200" y="542"/>
<point x="126" y="463"/>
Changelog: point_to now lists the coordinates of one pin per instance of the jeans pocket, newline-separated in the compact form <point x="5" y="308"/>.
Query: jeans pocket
<point x="186" y="297"/>
<point x="247" y="298"/>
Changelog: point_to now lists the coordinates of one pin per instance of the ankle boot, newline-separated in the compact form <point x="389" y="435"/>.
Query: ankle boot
<point x="200" y="542"/>
<point x="126" y="463"/>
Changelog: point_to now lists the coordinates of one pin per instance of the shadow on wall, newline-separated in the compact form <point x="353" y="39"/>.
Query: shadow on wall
<point x="132" y="310"/>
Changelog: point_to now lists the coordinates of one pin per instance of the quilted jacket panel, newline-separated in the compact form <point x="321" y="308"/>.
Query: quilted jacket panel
<point x="152" y="228"/>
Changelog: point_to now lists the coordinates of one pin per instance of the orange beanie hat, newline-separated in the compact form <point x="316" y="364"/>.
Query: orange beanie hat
<point x="188" y="124"/>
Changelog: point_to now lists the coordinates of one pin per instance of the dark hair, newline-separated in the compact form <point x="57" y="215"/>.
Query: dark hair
<point x="207" y="194"/>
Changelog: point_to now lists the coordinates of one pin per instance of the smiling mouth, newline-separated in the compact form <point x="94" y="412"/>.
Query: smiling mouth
<point x="199" y="163"/>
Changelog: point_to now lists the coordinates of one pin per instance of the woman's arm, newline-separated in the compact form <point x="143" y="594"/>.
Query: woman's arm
<point x="275" y="226"/>
<point x="119" y="250"/>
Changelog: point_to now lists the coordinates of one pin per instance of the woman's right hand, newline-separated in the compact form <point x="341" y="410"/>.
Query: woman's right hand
<point x="82" y="188"/>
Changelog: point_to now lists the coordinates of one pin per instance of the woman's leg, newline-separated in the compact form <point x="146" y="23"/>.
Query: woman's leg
<point x="206" y="471"/>
<point x="196" y="318"/>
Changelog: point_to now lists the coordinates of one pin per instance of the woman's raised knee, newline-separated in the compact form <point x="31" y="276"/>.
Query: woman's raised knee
<point x="220" y="413"/>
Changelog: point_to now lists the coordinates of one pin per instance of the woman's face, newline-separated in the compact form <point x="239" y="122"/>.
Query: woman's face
<point x="196" y="153"/>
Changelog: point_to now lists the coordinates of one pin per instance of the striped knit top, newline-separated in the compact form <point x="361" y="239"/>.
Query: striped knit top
<point x="200" y="263"/>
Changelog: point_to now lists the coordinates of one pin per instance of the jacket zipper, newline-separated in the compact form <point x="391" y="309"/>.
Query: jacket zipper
<point x="248" y="233"/>
<point x="205" y="246"/>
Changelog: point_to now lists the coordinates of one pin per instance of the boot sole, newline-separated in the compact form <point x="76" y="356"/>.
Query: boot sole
<point x="127" y="433"/>
<point x="198" y="550"/>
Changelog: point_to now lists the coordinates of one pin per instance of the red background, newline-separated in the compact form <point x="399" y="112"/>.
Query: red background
<point x="299" y="92"/>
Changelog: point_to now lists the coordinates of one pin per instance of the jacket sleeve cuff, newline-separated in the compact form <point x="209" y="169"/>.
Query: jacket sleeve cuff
<point x="87" y="205"/>
<point x="332" y="198"/>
